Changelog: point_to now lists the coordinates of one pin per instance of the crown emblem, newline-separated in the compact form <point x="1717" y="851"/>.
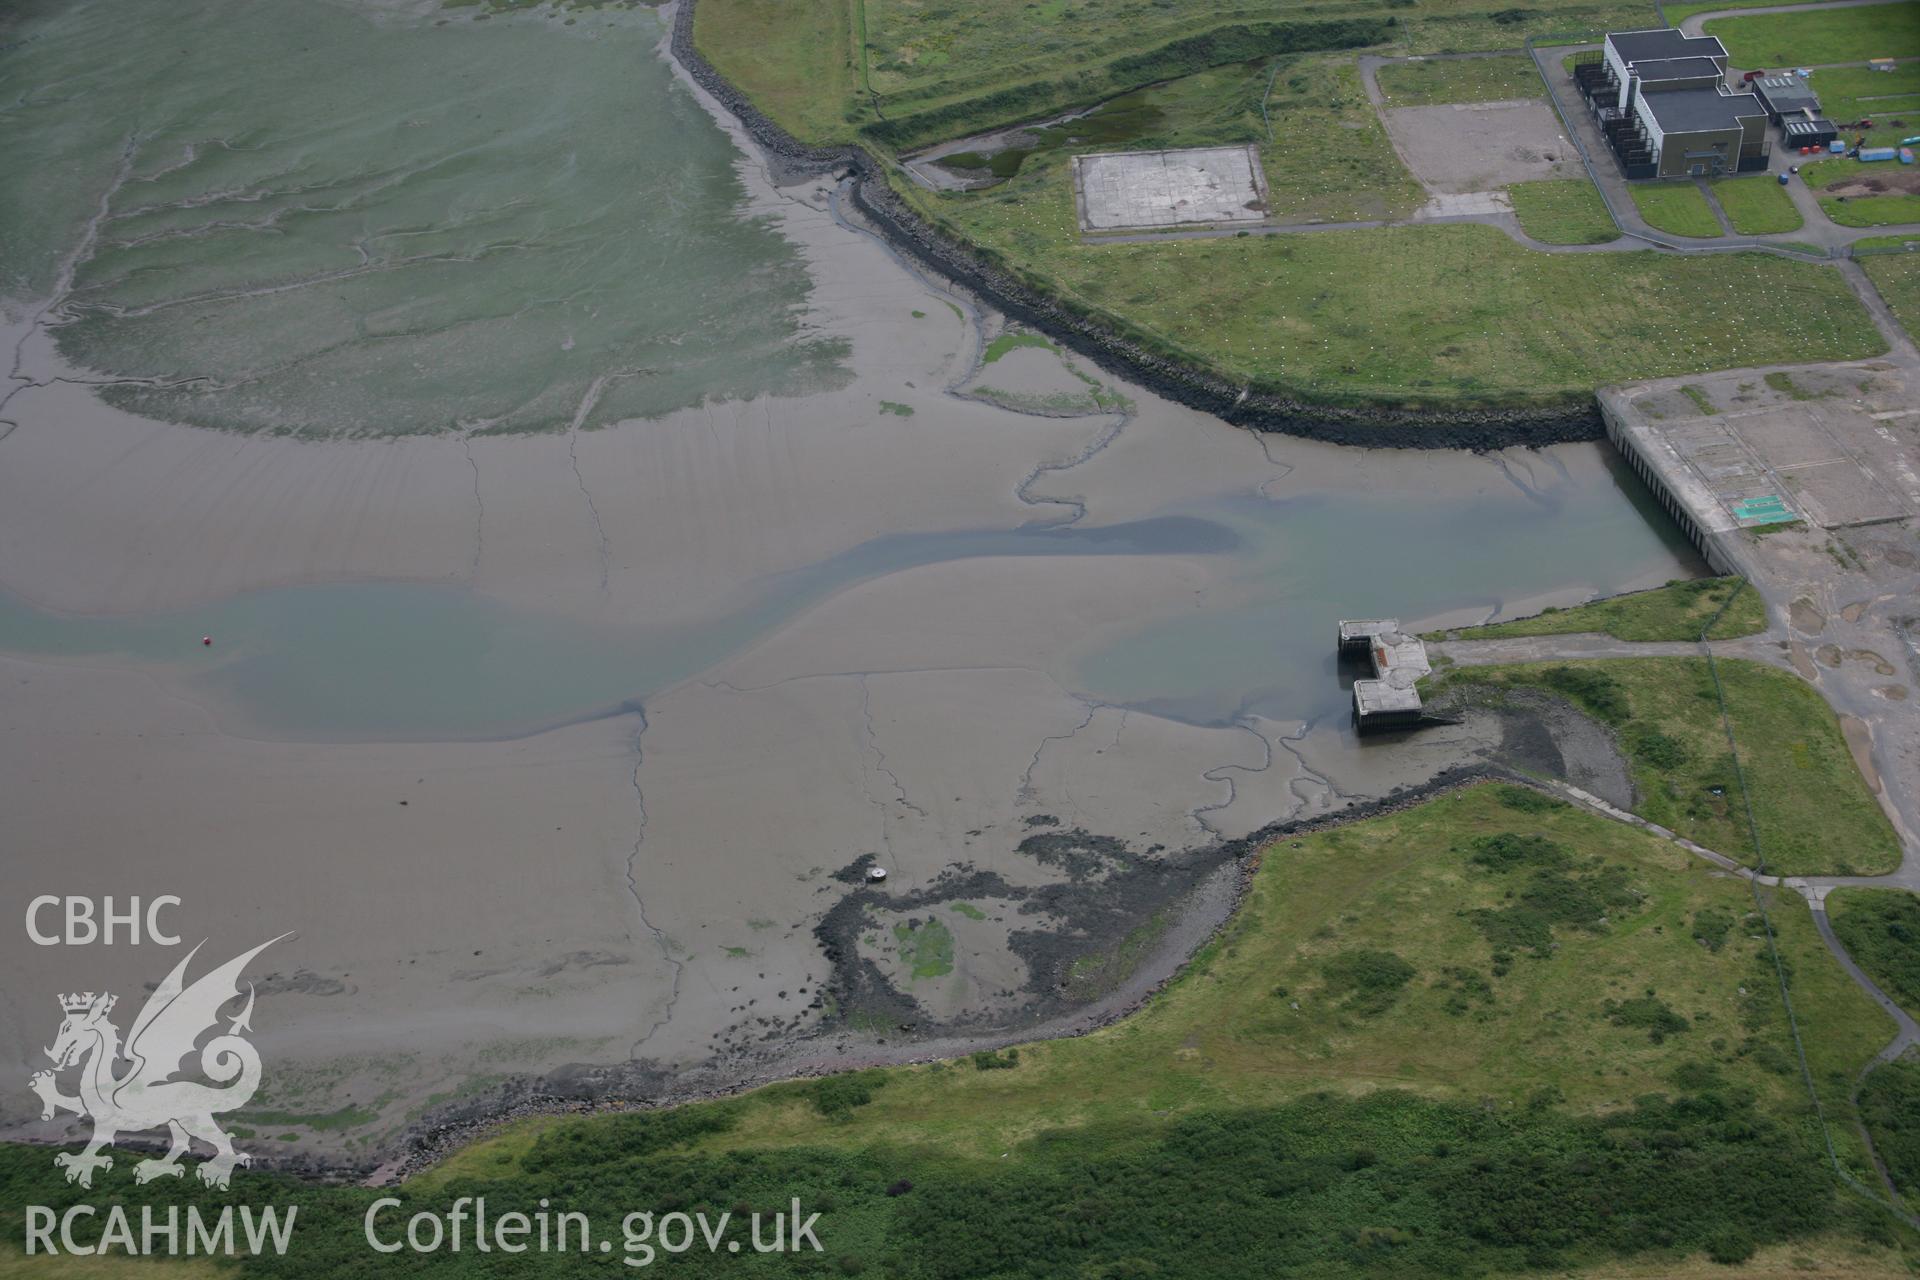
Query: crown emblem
<point x="81" y="1001"/>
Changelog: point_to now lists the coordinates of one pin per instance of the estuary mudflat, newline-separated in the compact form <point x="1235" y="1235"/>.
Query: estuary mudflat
<point x="620" y="563"/>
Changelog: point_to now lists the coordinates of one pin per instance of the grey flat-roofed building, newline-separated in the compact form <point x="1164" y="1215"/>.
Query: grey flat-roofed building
<point x="1663" y="42"/>
<point x="1663" y="105"/>
<point x="1702" y="132"/>
<point x="1702" y="110"/>
<point x="1807" y="130"/>
<point x="1678" y="73"/>
<point x="1785" y="96"/>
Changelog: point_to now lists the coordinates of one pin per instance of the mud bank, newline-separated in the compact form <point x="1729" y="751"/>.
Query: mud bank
<point x="1217" y="878"/>
<point x="1379" y="426"/>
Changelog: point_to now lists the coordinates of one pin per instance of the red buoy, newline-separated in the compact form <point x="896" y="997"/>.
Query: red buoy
<point x="206" y="640"/>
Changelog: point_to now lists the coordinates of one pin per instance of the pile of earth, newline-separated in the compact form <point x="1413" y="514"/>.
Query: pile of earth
<point x="1890" y="183"/>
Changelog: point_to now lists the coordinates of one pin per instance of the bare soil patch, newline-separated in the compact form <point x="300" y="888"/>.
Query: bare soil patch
<point x="1481" y="146"/>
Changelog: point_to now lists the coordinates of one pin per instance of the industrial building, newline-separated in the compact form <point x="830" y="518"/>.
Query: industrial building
<point x="1794" y="108"/>
<point x="1664" y="108"/>
<point x="1784" y="96"/>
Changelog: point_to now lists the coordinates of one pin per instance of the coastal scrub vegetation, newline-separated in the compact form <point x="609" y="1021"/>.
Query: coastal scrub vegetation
<point x="1677" y="611"/>
<point x="1810" y="805"/>
<point x="1890" y="1108"/>
<point x="1880" y="929"/>
<point x="1425" y="1045"/>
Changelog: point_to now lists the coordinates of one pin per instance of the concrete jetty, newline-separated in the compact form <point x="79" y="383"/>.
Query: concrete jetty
<point x="1391" y="699"/>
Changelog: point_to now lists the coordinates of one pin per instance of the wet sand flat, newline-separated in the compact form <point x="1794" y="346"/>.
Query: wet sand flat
<point x="1032" y="664"/>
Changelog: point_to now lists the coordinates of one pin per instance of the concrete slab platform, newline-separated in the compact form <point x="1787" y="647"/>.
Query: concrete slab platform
<point x="1198" y="186"/>
<point x="1834" y="447"/>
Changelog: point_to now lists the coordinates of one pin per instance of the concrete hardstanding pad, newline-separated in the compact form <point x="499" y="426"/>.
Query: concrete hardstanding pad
<point x="1481" y="146"/>
<point x="1833" y="446"/>
<point x="1126" y="190"/>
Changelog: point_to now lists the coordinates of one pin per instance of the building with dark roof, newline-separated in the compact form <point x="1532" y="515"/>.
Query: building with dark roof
<point x="1625" y="48"/>
<point x="1785" y="96"/>
<point x="1681" y="73"/>
<point x="1808" y="130"/>
<point x="1663" y="105"/>
<point x="1702" y="133"/>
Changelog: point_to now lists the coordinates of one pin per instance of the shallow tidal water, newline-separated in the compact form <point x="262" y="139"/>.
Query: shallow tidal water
<point x="397" y="660"/>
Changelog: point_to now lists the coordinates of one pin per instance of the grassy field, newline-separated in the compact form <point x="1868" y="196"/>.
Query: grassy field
<point x="1678" y="13"/>
<point x="1897" y="277"/>
<point x="1873" y="211"/>
<point x="798" y="59"/>
<point x="1757" y="206"/>
<point x="1881" y="931"/>
<point x="1813" y="811"/>
<point x="1360" y="179"/>
<point x="1856" y="93"/>
<point x="1434" y="1043"/>
<point x="913" y="72"/>
<point x="1383" y="316"/>
<point x="1863" y="210"/>
<point x="1890" y="208"/>
<point x="1425" y="84"/>
<point x="1677" y="208"/>
<point x="1676" y="611"/>
<point x="1775" y="40"/>
<point x="1562" y="211"/>
<point x="1415" y="314"/>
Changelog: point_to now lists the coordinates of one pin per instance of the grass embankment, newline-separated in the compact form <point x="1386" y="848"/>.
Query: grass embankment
<point x="1676" y="611"/>
<point x="1776" y="40"/>
<point x="1434" y="82"/>
<point x="1897" y="277"/>
<point x="1757" y="206"/>
<point x="1563" y="211"/>
<point x="1881" y="931"/>
<point x="1491" y="1033"/>
<point x="1420" y="315"/>
<point x="1677" y="208"/>
<point x="1810" y="804"/>
<point x="1847" y="194"/>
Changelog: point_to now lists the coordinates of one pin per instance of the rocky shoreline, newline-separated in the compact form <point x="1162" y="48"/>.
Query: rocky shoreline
<point x="1197" y="388"/>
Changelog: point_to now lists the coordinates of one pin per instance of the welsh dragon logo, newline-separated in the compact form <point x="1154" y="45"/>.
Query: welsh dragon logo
<point x="146" y="1096"/>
